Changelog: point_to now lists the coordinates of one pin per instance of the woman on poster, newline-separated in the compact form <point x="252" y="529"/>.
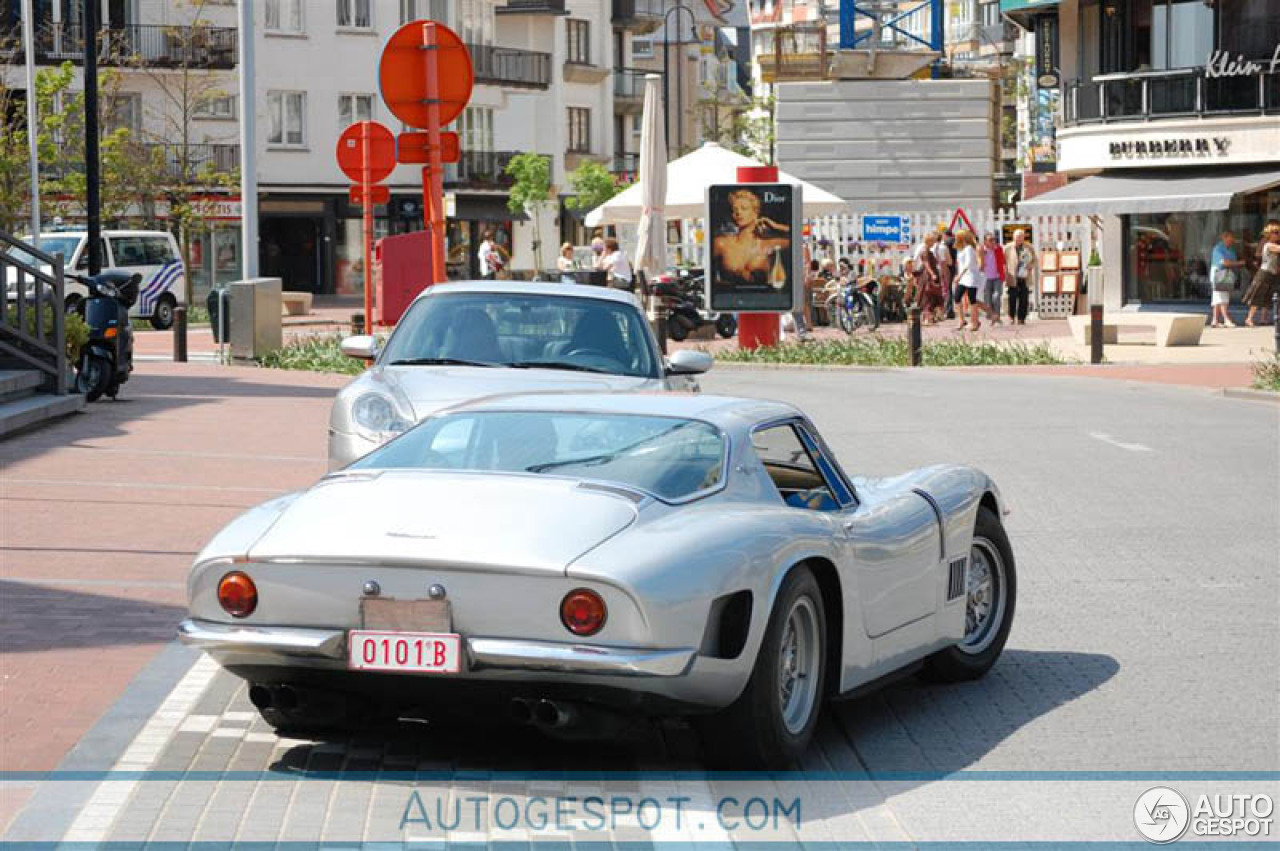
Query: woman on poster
<point x="746" y="257"/>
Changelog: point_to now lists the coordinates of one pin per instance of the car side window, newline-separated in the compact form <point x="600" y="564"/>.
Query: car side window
<point x="83" y="261"/>
<point x="792" y="469"/>
<point x="841" y="489"/>
<point x="158" y="251"/>
<point x="129" y="251"/>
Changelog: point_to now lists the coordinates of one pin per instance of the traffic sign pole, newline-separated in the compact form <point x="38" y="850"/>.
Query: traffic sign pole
<point x="433" y="173"/>
<point x="366" y="184"/>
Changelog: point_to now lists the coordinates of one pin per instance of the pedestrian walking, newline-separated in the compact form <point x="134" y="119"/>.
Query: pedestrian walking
<point x="1223" y="264"/>
<point x="993" y="272"/>
<point x="944" y="251"/>
<point x="968" y="272"/>
<point x="1020" y="270"/>
<point x="491" y="256"/>
<point x="1266" y="281"/>
<point x="928" y="279"/>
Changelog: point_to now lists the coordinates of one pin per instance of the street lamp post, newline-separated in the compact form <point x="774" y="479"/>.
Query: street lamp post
<point x="666" y="75"/>
<point x="92" y="178"/>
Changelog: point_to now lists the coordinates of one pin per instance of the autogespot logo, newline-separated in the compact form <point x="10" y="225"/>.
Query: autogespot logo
<point x="1161" y="814"/>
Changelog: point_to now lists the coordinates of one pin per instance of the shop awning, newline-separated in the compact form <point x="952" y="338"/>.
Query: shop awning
<point x="1151" y="191"/>
<point x="486" y="208"/>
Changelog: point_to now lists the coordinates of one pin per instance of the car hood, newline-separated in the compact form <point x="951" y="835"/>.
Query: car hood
<point x="431" y="388"/>
<point x="479" y="521"/>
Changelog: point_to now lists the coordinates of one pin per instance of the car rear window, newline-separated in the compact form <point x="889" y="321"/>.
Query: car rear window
<point x="669" y="457"/>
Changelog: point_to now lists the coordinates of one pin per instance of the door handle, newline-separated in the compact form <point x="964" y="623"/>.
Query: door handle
<point x="848" y="525"/>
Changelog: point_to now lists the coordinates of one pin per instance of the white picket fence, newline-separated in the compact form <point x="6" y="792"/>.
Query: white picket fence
<point x="841" y="236"/>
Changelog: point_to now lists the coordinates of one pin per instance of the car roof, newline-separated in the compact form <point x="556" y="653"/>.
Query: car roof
<point x="536" y="288"/>
<point x="724" y="411"/>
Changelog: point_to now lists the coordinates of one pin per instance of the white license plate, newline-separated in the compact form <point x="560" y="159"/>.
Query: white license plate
<point x="411" y="652"/>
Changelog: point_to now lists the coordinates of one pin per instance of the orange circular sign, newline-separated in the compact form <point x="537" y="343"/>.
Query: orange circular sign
<point x="402" y="74"/>
<point x="382" y="152"/>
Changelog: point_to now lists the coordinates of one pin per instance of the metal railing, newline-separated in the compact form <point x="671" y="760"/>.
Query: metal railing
<point x="1168" y="94"/>
<point x="625" y="163"/>
<point x="796" y="52"/>
<point x="628" y="83"/>
<point x="647" y="12"/>
<point x="32" y="318"/>
<point x="510" y="66"/>
<point x="141" y="44"/>
<point x="194" y="163"/>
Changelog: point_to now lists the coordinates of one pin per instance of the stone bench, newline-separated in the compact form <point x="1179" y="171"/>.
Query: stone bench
<point x="295" y="304"/>
<point x="1172" y="329"/>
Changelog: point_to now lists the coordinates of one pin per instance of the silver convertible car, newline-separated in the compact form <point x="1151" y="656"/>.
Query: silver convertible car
<point x="567" y="558"/>
<point x="464" y="341"/>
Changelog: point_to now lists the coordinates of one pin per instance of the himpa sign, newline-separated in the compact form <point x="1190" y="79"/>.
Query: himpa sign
<point x="891" y="229"/>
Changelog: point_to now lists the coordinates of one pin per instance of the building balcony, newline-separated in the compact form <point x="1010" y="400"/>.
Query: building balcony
<point x="585" y="72"/>
<point x="481" y="170"/>
<point x="511" y="67"/>
<point x="1147" y="96"/>
<point x="628" y="89"/>
<point x="195" y="164"/>
<point x="532" y="7"/>
<point x="638" y="16"/>
<point x="625" y="165"/>
<point x="794" y="53"/>
<point x="150" y="45"/>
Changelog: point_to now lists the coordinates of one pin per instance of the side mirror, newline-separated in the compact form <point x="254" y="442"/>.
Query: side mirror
<point x="362" y="347"/>
<point x="689" y="362"/>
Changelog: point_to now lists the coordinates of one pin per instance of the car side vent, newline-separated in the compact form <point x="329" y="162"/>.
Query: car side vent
<point x="625" y="493"/>
<point x="955" y="579"/>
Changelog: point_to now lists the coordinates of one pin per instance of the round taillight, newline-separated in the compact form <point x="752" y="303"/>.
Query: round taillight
<point x="237" y="594"/>
<point x="583" y="612"/>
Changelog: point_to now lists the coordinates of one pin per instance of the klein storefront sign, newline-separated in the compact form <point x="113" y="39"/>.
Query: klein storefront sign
<point x="1203" y="146"/>
<point x="1221" y="64"/>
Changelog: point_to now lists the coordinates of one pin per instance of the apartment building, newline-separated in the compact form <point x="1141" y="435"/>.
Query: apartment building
<point x="544" y="84"/>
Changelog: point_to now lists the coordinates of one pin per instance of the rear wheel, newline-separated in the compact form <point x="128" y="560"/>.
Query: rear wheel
<point x="990" y="595"/>
<point x="74" y="304"/>
<point x="162" y="316"/>
<point x="726" y="325"/>
<point x="772" y="721"/>
<point x="677" y="331"/>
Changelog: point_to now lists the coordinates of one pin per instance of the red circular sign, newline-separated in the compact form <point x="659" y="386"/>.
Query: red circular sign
<point x="402" y="74"/>
<point x="382" y="152"/>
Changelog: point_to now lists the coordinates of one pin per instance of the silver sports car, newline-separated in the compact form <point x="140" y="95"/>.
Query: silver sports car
<point x="463" y="341"/>
<point x="574" y="558"/>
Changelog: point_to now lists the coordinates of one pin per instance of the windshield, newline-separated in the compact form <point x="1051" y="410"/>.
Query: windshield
<point x="66" y="245"/>
<point x="502" y="329"/>
<point x="670" y="458"/>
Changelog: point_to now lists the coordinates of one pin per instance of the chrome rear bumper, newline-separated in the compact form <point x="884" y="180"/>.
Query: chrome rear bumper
<point x="482" y="653"/>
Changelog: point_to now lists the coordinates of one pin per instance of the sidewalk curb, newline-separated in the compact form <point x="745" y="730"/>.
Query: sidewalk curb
<point x="1251" y="394"/>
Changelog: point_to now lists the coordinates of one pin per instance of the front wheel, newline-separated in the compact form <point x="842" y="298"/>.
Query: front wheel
<point x="871" y="311"/>
<point x="991" y="590"/>
<point x="770" y="724"/>
<point x="676" y="330"/>
<point x="93" y="376"/>
<point x="726" y="325"/>
<point x="162" y="316"/>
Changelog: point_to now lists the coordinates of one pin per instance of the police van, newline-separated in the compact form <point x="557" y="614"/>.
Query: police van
<point x="151" y="253"/>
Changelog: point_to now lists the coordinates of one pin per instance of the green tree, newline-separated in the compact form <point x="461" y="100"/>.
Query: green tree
<point x="753" y="131"/>
<point x="592" y="184"/>
<point x="15" y="187"/>
<point x="530" y="193"/>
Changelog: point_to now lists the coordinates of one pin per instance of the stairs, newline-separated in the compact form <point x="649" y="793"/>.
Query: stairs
<point x="24" y="403"/>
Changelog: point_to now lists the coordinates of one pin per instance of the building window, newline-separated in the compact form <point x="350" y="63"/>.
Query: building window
<point x="353" y="108"/>
<point x="217" y="107"/>
<point x="355" y="14"/>
<point x="286" y="112"/>
<point x="284" y="16"/>
<point x="475" y="129"/>
<point x="579" y="48"/>
<point x="642" y="48"/>
<point x="416" y="10"/>
<point x="125" y="112"/>
<point x="579" y="130"/>
<point x="990" y="14"/>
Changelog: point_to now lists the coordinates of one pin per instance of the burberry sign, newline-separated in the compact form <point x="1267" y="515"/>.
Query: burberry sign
<point x="1203" y="146"/>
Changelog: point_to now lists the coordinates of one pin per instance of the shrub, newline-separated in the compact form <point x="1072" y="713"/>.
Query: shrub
<point x="881" y="351"/>
<point x="1266" y="373"/>
<point x="77" y="330"/>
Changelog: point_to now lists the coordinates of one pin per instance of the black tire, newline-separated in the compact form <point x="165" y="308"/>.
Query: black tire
<point x="162" y="315"/>
<point x="872" y="312"/>
<point x="970" y="661"/>
<point x="676" y="331"/>
<point x="74" y="304"/>
<point x="846" y="319"/>
<point x="752" y="733"/>
<point x="726" y="325"/>
<point x="93" y="376"/>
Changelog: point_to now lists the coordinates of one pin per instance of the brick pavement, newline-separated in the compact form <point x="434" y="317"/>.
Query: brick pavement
<point x="102" y="513"/>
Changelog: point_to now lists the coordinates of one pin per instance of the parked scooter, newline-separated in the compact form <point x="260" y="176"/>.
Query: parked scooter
<point x="686" y="313"/>
<point x="107" y="359"/>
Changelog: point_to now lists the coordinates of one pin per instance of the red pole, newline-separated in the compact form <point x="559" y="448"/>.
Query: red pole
<point x="758" y="329"/>
<point x="433" y="174"/>
<point x="366" y="187"/>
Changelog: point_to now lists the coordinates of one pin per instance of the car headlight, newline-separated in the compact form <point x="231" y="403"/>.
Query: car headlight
<point x="376" y="418"/>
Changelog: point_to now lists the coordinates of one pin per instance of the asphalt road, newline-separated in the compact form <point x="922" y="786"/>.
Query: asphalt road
<point x="1146" y="525"/>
